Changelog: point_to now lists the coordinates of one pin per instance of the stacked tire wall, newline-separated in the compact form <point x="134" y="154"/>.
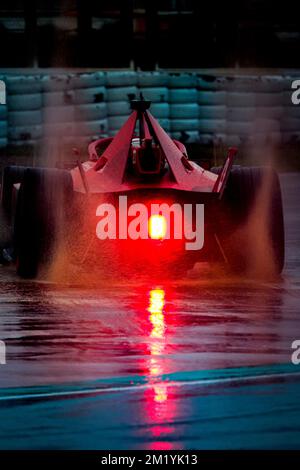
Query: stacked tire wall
<point x="254" y="110"/>
<point x="121" y="87"/>
<point x="24" y="109"/>
<point x="194" y="108"/>
<point x="184" y="107"/>
<point x="74" y="108"/>
<point x="212" y="109"/>
<point x="155" y="87"/>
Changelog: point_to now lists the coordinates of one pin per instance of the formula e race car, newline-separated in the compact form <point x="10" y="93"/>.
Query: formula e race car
<point x="139" y="205"/>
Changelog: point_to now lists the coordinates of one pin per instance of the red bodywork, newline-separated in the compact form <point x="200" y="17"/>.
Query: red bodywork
<point x="171" y="178"/>
<point x="107" y="173"/>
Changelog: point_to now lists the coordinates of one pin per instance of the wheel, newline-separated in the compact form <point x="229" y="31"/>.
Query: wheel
<point x="41" y="217"/>
<point x="11" y="176"/>
<point x="251" y="226"/>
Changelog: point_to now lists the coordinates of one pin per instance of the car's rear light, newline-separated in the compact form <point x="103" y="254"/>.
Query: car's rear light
<point x="157" y="227"/>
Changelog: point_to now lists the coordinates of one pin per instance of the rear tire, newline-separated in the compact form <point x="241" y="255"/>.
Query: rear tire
<point x="40" y="217"/>
<point x="251" y="223"/>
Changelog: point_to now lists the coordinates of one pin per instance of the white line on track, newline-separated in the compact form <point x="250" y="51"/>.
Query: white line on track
<point x="206" y="382"/>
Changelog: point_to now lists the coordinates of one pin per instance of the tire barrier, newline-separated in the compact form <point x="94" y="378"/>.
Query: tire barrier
<point x="242" y="129"/>
<point x="253" y="127"/>
<point x="152" y="79"/>
<point x="270" y="112"/>
<point x="80" y="129"/>
<point x="240" y="100"/>
<point x="203" y="108"/>
<point x="90" y="95"/>
<point x="182" y="80"/>
<point x="24" y="134"/>
<point x="87" y="80"/>
<point x="113" y="132"/>
<point x="290" y="124"/>
<point x="156" y="95"/>
<point x="254" y="110"/>
<point x="234" y="140"/>
<point x="58" y="98"/>
<point x="80" y="142"/>
<point x="19" y="118"/>
<point x="88" y="116"/>
<point x="186" y="137"/>
<point x="116" y="122"/>
<point x="185" y="124"/>
<point x="262" y="138"/>
<point x="184" y="111"/>
<point x="211" y="98"/>
<point x="211" y="83"/>
<point x="62" y="129"/>
<point x="121" y="79"/>
<point x="212" y="112"/>
<point x="165" y="123"/>
<point x="52" y="83"/>
<point x="3" y="112"/>
<point x="255" y="84"/>
<point x="183" y="95"/>
<point x="3" y="142"/>
<point x="251" y="113"/>
<point x="212" y="139"/>
<point x="24" y="105"/>
<point x="90" y="112"/>
<point x="273" y="83"/>
<point x="3" y="126"/>
<point x="20" y="84"/>
<point x="26" y="102"/>
<point x="118" y="108"/>
<point x="160" y="110"/>
<point x="118" y="98"/>
<point x="290" y="112"/>
<point x="58" y="114"/>
<point x="268" y="99"/>
<point x="95" y="128"/>
<point x="212" y="126"/>
<point x="287" y="98"/>
<point x="122" y="94"/>
<point x="3" y="129"/>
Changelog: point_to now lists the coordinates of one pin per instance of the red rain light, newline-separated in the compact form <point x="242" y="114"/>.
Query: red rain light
<point x="157" y="227"/>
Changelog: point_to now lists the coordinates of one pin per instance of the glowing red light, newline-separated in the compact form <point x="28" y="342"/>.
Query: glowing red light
<point x="157" y="227"/>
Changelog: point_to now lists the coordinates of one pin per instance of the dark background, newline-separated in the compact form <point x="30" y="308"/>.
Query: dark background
<point x="150" y="33"/>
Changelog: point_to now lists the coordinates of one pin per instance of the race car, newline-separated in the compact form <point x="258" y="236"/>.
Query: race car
<point x="139" y="205"/>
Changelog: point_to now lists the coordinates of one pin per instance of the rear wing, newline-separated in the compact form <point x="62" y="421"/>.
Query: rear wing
<point x="223" y="175"/>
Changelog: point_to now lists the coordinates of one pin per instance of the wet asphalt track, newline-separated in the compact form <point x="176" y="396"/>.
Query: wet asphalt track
<point x="205" y="363"/>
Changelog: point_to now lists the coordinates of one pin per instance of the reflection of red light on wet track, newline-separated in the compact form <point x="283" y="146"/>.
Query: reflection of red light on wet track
<point x="157" y="319"/>
<point x="157" y="344"/>
<point x="159" y="407"/>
